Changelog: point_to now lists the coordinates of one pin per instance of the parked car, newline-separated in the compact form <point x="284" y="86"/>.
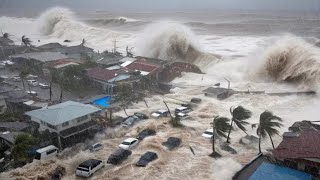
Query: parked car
<point x="118" y="156"/>
<point x="33" y="83"/>
<point x="32" y="93"/>
<point x="172" y="142"/>
<point x="129" y="121"/>
<point x="43" y="86"/>
<point x="129" y="143"/>
<point x="160" y="113"/>
<point x="141" y="115"/>
<point x="208" y="133"/>
<point x="88" y="167"/>
<point x="145" y="133"/>
<point x="95" y="147"/>
<point x="146" y="159"/>
<point x="182" y="109"/>
<point x="183" y="116"/>
<point x="30" y="76"/>
<point x="46" y="152"/>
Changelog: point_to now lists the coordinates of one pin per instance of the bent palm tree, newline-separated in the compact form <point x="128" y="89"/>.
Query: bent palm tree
<point x="267" y="126"/>
<point x="23" y="74"/>
<point x="26" y="41"/>
<point x="239" y="115"/>
<point x="220" y="127"/>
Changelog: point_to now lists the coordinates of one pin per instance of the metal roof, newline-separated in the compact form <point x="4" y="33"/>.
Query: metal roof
<point x="63" y="112"/>
<point x="274" y="172"/>
<point x="42" y="56"/>
<point x="14" y="126"/>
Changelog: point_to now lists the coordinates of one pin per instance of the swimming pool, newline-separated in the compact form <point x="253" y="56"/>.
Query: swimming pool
<point x="103" y="102"/>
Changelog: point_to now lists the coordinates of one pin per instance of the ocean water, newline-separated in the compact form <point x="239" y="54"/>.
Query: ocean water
<point x="272" y="52"/>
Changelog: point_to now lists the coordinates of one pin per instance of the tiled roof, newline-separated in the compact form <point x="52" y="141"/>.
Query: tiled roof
<point x="141" y="66"/>
<point x="63" y="112"/>
<point x="101" y="74"/>
<point x="306" y="145"/>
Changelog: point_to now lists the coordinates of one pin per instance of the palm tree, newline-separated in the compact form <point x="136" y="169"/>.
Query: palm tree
<point x="239" y="115"/>
<point x="267" y="126"/>
<point x="26" y="41"/>
<point x="23" y="74"/>
<point x="220" y="127"/>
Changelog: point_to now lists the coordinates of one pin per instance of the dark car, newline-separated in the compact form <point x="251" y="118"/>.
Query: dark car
<point x="145" y="133"/>
<point x="129" y="121"/>
<point x="196" y="100"/>
<point x="141" y="115"/>
<point x="146" y="158"/>
<point x="172" y="142"/>
<point x="118" y="156"/>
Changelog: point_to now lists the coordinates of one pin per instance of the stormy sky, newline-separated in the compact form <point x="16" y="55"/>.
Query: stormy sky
<point x="175" y="5"/>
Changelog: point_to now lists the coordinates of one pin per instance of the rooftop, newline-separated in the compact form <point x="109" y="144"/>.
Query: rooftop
<point x="102" y="74"/>
<point x="50" y="46"/>
<point x="13" y="126"/>
<point x="142" y="66"/>
<point x="63" y="112"/>
<point x="306" y="145"/>
<point x="10" y="136"/>
<point x="274" y="172"/>
<point x="42" y="56"/>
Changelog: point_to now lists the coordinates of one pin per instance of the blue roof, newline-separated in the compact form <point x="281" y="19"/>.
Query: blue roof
<point x="274" y="172"/>
<point x="63" y="112"/>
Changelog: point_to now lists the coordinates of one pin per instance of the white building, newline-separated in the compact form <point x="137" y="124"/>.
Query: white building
<point x="67" y="119"/>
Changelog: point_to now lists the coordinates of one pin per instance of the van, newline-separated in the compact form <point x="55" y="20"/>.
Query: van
<point x="88" y="167"/>
<point x="46" y="152"/>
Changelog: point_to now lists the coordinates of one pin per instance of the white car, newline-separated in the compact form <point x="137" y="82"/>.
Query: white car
<point x="43" y="86"/>
<point x="183" y="116"/>
<point x="208" y="133"/>
<point x="33" y="83"/>
<point x="33" y="93"/>
<point x="182" y="109"/>
<point x="160" y="113"/>
<point x="30" y="76"/>
<point x="129" y="143"/>
<point x="95" y="147"/>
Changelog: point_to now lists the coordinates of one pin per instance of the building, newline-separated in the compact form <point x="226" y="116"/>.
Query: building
<point x="3" y="104"/>
<point x="264" y="167"/>
<point x="71" y="121"/>
<point x="300" y="151"/>
<point x="218" y="92"/>
<point x="15" y="126"/>
<point x="76" y="52"/>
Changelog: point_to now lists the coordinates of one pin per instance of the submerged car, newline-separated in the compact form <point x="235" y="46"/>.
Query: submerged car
<point x="32" y="93"/>
<point x="145" y="133"/>
<point x="160" y="113"/>
<point x="146" y="159"/>
<point x="88" y="167"/>
<point x="183" y="116"/>
<point x="118" y="156"/>
<point x="172" y="142"/>
<point x="33" y="83"/>
<point x="130" y="121"/>
<point x="129" y="143"/>
<point x="182" y="109"/>
<point x="141" y="115"/>
<point x="208" y="133"/>
<point x="95" y="147"/>
<point x="43" y="86"/>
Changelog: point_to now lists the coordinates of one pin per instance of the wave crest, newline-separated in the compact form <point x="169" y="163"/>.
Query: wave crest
<point x="292" y="60"/>
<point x="171" y="41"/>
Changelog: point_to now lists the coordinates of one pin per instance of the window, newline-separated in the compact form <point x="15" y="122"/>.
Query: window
<point x="51" y="151"/>
<point x="65" y="124"/>
<point x="82" y="118"/>
<point x="51" y="126"/>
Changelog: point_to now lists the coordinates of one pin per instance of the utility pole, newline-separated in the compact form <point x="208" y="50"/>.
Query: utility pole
<point x="115" y="46"/>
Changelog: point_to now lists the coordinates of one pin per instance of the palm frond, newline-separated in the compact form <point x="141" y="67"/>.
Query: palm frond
<point x="240" y="113"/>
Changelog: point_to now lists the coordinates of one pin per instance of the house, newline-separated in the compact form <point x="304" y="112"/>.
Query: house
<point x="218" y="92"/>
<point x="107" y="79"/>
<point x="71" y="121"/>
<point x="300" y="151"/>
<point x="76" y="52"/>
<point x="50" y="46"/>
<point x="15" y="126"/>
<point x="264" y="167"/>
<point x="36" y="60"/>
<point x="62" y="63"/>
<point x="304" y="125"/>
<point x="107" y="59"/>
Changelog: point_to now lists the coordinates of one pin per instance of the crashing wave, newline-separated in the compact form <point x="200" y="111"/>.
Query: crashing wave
<point x="172" y="41"/>
<point x="292" y="60"/>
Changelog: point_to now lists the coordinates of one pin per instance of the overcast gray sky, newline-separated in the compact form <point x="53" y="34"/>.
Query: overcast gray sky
<point x="176" y="5"/>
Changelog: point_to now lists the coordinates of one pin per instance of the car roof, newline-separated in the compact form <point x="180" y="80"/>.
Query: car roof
<point x="209" y="130"/>
<point x="162" y="111"/>
<point x="149" y="154"/>
<point x="130" y="140"/>
<point x="182" y="108"/>
<point x="89" y="162"/>
<point x="182" y="114"/>
<point x="50" y="147"/>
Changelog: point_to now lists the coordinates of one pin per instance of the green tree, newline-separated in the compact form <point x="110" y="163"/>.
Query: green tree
<point x="239" y="117"/>
<point x="267" y="126"/>
<point x="22" y="144"/>
<point x="23" y="74"/>
<point x="220" y="127"/>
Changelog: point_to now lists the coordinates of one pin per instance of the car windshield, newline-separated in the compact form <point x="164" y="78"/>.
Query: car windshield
<point x="208" y="132"/>
<point x="126" y="143"/>
<point x="83" y="169"/>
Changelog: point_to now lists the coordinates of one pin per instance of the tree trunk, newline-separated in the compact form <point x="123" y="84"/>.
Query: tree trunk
<point x="229" y="131"/>
<point x="24" y="86"/>
<point x="260" y="143"/>
<point x="61" y="94"/>
<point x="271" y="141"/>
<point x="146" y="103"/>
<point x="168" y="110"/>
